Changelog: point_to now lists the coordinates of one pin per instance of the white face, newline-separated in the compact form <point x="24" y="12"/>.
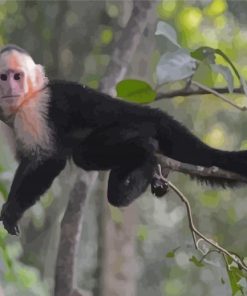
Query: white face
<point x="19" y="75"/>
<point x="24" y="101"/>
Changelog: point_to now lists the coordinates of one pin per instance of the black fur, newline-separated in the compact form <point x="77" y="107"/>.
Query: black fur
<point x="103" y="133"/>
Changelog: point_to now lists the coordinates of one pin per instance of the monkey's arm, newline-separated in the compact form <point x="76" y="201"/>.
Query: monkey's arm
<point x="32" y="179"/>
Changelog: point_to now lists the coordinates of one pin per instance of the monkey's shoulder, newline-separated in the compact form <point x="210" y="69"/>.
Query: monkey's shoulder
<point x="72" y="96"/>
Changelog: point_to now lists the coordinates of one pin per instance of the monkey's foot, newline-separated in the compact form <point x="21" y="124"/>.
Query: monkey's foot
<point x="9" y="220"/>
<point x="159" y="187"/>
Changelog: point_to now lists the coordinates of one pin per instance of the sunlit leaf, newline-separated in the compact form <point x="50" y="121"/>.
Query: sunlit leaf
<point x="241" y="79"/>
<point x="173" y="287"/>
<point x="136" y="91"/>
<point x="226" y="73"/>
<point x="216" y="7"/>
<point x="166" y="9"/>
<point x="168" y="31"/>
<point x="106" y="36"/>
<point x="207" y="54"/>
<point x="204" y="74"/>
<point x="26" y="276"/>
<point x="4" y="251"/>
<point x="197" y="262"/>
<point x="216" y="136"/>
<point x="210" y="199"/>
<point x="116" y="215"/>
<point x="175" y="66"/>
<point x="4" y="191"/>
<point x="142" y="232"/>
<point x="190" y="18"/>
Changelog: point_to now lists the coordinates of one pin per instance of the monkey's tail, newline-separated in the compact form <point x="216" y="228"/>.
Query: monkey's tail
<point x="177" y="142"/>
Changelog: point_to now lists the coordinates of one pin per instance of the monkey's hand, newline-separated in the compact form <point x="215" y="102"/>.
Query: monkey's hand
<point x="159" y="187"/>
<point x="9" y="216"/>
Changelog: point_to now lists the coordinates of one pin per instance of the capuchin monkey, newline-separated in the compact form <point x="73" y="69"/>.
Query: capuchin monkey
<point x="54" y="121"/>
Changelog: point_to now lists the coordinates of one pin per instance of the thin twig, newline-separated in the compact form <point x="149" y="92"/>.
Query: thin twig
<point x="221" y="96"/>
<point x="184" y="199"/>
<point x="209" y="252"/>
<point x="194" y="229"/>
<point x="193" y="91"/>
<point x="71" y="227"/>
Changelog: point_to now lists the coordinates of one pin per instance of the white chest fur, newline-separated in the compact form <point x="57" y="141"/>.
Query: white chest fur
<point x="30" y="126"/>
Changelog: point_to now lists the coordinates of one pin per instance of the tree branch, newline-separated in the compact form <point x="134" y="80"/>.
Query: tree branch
<point x="117" y="238"/>
<point x="126" y="46"/>
<point x="71" y="227"/>
<point x="72" y="221"/>
<point x="196" y="170"/>
<point x="221" y="96"/>
<point x="196" y="88"/>
<point x="200" y="171"/>
<point x="58" y="32"/>
<point x="192" y="91"/>
<point x="195" y="232"/>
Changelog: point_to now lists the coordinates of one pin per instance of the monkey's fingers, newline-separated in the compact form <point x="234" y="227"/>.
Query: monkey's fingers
<point x="12" y="229"/>
<point x="159" y="187"/>
<point x="17" y="230"/>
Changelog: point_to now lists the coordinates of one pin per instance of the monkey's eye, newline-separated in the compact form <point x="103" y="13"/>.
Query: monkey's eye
<point x="17" y="76"/>
<point x="3" y="77"/>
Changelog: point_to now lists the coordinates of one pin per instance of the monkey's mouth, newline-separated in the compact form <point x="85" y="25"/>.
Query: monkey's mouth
<point x="10" y="96"/>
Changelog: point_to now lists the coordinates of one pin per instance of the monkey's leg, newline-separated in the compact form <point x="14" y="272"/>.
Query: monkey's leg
<point x="111" y="148"/>
<point x="129" y="182"/>
<point x="130" y="157"/>
<point x="32" y="179"/>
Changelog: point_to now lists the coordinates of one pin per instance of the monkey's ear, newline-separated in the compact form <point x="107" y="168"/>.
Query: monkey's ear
<point x="40" y="78"/>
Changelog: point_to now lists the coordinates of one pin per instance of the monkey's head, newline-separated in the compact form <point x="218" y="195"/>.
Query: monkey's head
<point x="20" y="77"/>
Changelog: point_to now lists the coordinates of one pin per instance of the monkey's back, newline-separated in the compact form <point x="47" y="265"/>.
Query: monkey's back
<point x="80" y="110"/>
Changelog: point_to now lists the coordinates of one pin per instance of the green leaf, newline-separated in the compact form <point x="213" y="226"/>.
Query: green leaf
<point x="243" y="83"/>
<point x="175" y="66"/>
<point x="4" y="191"/>
<point x="171" y="254"/>
<point x="241" y="79"/>
<point x="204" y="53"/>
<point x="197" y="262"/>
<point x="116" y="215"/>
<point x="234" y="278"/>
<point x="225" y="57"/>
<point x="235" y="275"/>
<point x="136" y="91"/>
<point x="204" y="74"/>
<point x="226" y="73"/>
<point x="207" y="54"/>
<point x="142" y="232"/>
<point x="168" y="31"/>
<point x="4" y="251"/>
<point x="26" y="276"/>
<point x="210" y="199"/>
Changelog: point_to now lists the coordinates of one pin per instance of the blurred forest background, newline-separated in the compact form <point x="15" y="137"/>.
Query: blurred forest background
<point x="130" y="252"/>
